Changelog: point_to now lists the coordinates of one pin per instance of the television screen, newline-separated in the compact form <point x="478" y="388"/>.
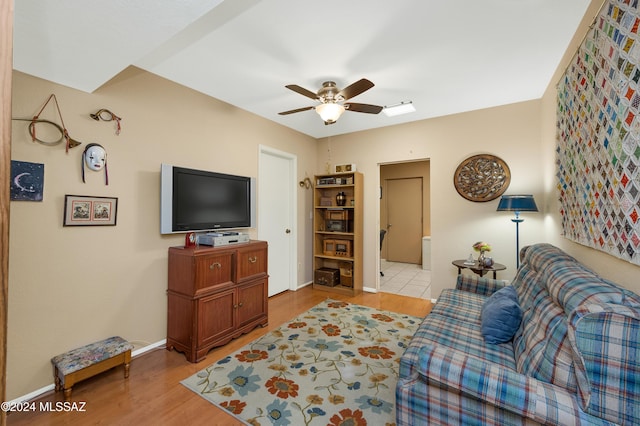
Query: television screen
<point x="203" y="200"/>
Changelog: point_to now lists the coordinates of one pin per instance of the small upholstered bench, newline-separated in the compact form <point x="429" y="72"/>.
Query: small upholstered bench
<point x="87" y="361"/>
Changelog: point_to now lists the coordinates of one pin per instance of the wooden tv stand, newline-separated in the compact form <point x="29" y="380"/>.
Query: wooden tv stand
<point x="215" y="294"/>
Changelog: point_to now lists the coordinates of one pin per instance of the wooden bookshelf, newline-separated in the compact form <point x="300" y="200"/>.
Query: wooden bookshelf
<point x="337" y="233"/>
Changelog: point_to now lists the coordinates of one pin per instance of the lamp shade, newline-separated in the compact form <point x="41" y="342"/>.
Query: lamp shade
<point x="517" y="203"/>
<point x="330" y="112"/>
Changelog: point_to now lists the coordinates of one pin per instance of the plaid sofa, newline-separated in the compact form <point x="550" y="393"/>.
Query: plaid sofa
<point x="575" y="359"/>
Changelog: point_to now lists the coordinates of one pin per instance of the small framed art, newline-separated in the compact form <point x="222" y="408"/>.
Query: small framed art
<point x="82" y="210"/>
<point x="27" y="181"/>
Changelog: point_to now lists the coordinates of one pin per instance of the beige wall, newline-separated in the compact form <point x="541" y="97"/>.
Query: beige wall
<point x="69" y="286"/>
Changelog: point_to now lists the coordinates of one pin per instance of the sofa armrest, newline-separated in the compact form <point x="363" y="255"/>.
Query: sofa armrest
<point x="484" y="286"/>
<point x="500" y="386"/>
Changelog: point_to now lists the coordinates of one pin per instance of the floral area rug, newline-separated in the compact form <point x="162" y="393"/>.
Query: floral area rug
<point x="336" y="364"/>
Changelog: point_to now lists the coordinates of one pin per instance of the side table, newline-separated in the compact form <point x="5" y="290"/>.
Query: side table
<point x="460" y="264"/>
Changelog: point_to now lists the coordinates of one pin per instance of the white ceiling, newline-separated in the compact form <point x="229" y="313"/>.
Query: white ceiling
<point x="445" y="56"/>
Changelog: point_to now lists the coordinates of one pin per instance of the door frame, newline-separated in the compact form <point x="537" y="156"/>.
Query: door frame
<point x="293" y="209"/>
<point x="6" y="74"/>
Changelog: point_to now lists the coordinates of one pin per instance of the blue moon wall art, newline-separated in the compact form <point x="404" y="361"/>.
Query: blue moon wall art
<point x="27" y="181"/>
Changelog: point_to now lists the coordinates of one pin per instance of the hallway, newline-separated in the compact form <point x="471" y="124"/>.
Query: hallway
<point x="406" y="279"/>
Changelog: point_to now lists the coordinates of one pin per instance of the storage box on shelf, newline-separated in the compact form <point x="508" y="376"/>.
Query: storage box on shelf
<point x="337" y="250"/>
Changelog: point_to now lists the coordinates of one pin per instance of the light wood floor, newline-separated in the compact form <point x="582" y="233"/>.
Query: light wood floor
<point x="153" y="393"/>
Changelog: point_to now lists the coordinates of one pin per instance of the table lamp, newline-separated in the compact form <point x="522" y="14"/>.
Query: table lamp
<point x="517" y="204"/>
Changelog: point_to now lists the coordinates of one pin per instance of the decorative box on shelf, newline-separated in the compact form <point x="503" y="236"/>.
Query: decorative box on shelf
<point x="341" y="248"/>
<point x="327" y="276"/>
<point x="337" y="225"/>
<point x="346" y="274"/>
<point x="336" y="215"/>
<point x="344" y="168"/>
<point x="325" y="181"/>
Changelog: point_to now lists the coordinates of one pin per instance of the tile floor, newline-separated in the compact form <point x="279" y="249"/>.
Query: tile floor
<point x="406" y="279"/>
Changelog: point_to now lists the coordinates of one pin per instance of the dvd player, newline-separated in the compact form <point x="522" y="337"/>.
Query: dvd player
<point x="217" y="239"/>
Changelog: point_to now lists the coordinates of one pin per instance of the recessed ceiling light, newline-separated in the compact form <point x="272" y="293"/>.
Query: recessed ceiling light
<point x="399" y="109"/>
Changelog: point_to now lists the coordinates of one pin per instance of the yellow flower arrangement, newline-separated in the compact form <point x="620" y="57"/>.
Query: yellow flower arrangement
<point x="481" y="246"/>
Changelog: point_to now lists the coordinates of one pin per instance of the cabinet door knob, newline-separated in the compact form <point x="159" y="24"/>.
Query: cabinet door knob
<point x="288" y="231"/>
<point x="240" y="304"/>
<point x="253" y="259"/>
<point x="215" y="265"/>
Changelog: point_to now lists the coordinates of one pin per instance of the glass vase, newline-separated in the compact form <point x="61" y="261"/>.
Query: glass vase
<point x="481" y="259"/>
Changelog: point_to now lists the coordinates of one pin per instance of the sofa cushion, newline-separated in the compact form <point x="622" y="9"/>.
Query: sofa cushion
<point x="466" y="305"/>
<point x="454" y="321"/>
<point x="569" y="283"/>
<point x="501" y="316"/>
<point x="541" y="348"/>
<point x="484" y="286"/>
<point x="464" y="336"/>
<point x="572" y="285"/>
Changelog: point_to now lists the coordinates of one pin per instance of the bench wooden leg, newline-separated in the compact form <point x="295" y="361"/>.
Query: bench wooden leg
<point x="127" y="363"/>
<point x="67" y="394"/>
<point x="57" y="380"/>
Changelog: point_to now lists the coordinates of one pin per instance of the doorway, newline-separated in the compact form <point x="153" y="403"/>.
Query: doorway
<point x="405" y="207"/>
<point x="276" y="216"/>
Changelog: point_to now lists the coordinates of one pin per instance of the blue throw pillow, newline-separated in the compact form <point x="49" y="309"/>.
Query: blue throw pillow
<point x="501" y="316"/>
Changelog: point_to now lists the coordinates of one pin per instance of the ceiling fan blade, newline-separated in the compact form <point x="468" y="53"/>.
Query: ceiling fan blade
<point x="293" y="111"/>
<point x="355" y="89"/>
<point x="369" y="109"/>
<point x="302" y="91"/>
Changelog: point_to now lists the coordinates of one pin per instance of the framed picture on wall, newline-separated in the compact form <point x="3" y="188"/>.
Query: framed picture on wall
<point x="81" y="210"/>
<point x="27" y="181"/>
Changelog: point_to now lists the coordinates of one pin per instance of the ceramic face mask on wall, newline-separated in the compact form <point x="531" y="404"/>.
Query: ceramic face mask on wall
<point x="95" y="157"/>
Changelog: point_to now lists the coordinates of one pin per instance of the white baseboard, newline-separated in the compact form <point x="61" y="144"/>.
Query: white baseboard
<point x="303" y="285"/>
<point x="32" y="395"/>
<point x="149" y="347"/>
<point x="36" y="393"/>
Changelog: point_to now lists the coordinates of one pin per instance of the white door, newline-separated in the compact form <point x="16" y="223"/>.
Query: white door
<point x="276" y="216"/>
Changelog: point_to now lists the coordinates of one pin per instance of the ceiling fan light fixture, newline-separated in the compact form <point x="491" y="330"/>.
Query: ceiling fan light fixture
<point x="399" y="109"/>
<point x="330" y="112"/>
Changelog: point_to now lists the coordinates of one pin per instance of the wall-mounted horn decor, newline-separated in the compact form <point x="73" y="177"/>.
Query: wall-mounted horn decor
<point x="306" y="183"/>
<point x="64" y="135"/>
<point x="72" y="143"/>
<point x="106" y="115"/>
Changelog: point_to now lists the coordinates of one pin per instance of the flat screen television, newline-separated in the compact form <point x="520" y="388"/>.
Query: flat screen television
<point x="199" y="200"/>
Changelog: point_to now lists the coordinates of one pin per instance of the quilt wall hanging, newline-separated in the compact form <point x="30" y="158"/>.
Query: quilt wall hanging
<point x="598" y="152"/>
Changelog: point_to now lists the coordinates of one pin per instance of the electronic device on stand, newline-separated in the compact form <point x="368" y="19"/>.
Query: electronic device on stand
<point x="217" y="239"/>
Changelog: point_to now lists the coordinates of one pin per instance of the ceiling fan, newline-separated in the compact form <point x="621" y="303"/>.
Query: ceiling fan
<point x="333" y="100"/>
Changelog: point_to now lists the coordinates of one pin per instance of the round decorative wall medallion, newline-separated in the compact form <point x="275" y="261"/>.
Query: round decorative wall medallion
<point x="482" y="178"/>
